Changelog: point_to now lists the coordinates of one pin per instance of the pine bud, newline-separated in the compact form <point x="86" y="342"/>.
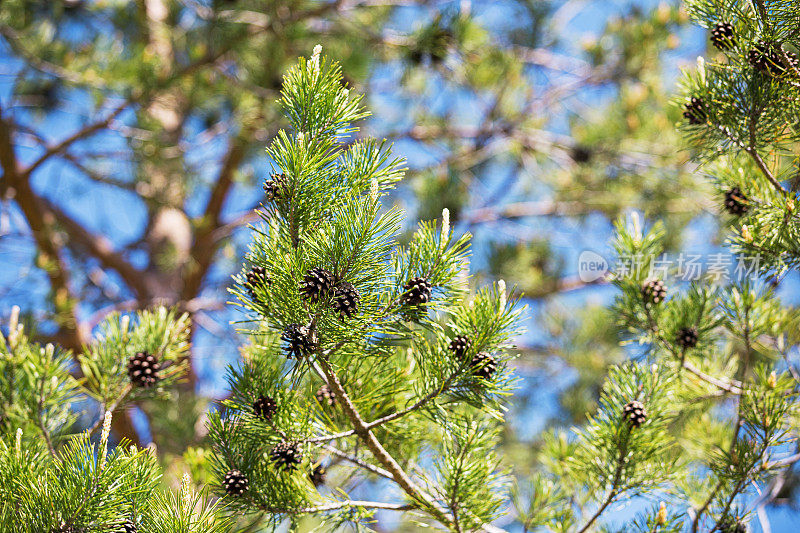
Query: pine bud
<point x="661" y="519"/>
<point x="636" y="228"/>
<point x="445" y="222"/>
<point x="746" y="235"/>
<point x="772" y="380"/>
<point x="104" y="433"/>
<point x="315" y="60"/>
<point x="410" y="362"/>
<point x="501" y="288"/>
<point x="462" y="278"/>
<point x="701" y="69"/>
<point x="373" y="190"/>
<point x="14" y="328"/>
<point x="18" y="442"/>
<point x="186" y="494"/>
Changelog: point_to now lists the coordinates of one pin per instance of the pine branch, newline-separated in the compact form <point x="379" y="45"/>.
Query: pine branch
<point x="342" y="505"/>
<point x="79" y="135"/>
<point x="51" y="258"/>
<point x="706" y="504"/>
<point x="40" y="421"/>
<point x="378" y="451"/>
<point x="356" y="461"/>
<point x="614" y="490"/>
<point x="397" y="414"/>
<point x="205" y="240"/>
<point x="731" y="386"/>
<point x="112" y="408"/>
<point x="763" y="168"/>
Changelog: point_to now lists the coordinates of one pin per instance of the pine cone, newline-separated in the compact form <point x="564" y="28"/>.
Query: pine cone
<point x="325" y="396"/>
<point x="276" y="188"/>
<point x="687" y="337"/>
<point x="318" y="475"/>
<point x="460" y="345"/>
<point x="759" y="56"/>
<point x="729" y="525"/>
<point x="722" y="36"/>
<point x="299" y="341"/>
<point x="483" y="365"/>
<point x="736" y="202"/>
<point x="143" y="369"/>
<point x="65" y="528"/>
<point x="653" y="291"/>
<point x="417" y="291"/>
<point x="129" y="527"/>
<point x="635" y="413"/>
<point x="235" y="483"/>
<point x="256" y="277"/>
<point x="316" y="284"/>
<point x="768" y="59"/>
<point x="264" y="407"/>
<point x="695" y="111"/>
<point x="581" y="154"/>
<point x="286" y="455"/>
<point x="346" y="300"/>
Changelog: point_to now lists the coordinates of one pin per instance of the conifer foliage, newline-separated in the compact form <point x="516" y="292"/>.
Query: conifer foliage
<point x="371" y="364"/>
<point x="373" y="353"/>
<point x="705" y="418"/>
<point x="52" y="480"/>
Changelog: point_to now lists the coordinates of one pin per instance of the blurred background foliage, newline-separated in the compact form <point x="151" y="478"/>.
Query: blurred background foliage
<point x="132" y="138"/>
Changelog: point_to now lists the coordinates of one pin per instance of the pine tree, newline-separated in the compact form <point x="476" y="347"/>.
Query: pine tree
<point x="659" y="431"/>
<point x="418" y="368"/>
<point x="373" y="352"/>
<point x="52" y="480"/>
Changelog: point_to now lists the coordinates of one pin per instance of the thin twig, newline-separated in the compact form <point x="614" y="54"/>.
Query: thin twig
<point x="111" y="408"/>
<point x="614" y="490"/>
<point x="377" y="449"/>
<point x="341" y="505"/>
<point x="764" y="170"/>
<point x="40" y="420"/>
<point x="356" y="461"/>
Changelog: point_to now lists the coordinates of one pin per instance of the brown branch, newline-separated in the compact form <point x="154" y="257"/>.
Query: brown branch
<point x="614" y="491"/>
<point x="525" y="209"/>
<point x="397" y="414"/>
<point x="44" y="213"/>
<point x="358" y="462"/>
<point x="15" y="184"/>
<point x="13" y="38"/>
<point x="98" y="246"/>
<point x="82" y="133"/>
<point x="377" y="449"/>
<point x="341" y="505"/>
<point x="764" y="169"/>
<point x="205" y="241"/>
<point x="40" y="420"/>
